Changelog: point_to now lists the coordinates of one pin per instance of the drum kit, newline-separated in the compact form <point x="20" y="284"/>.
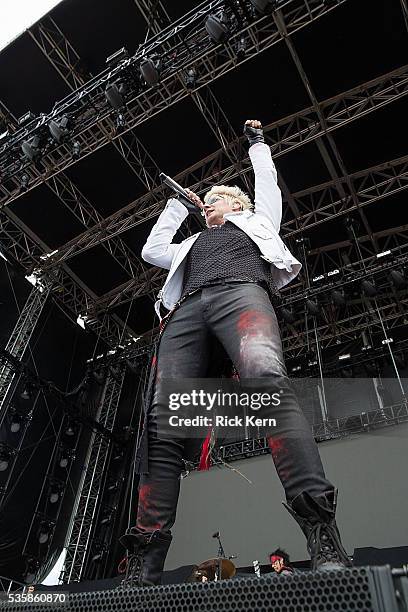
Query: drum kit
<point x="220" y="568"/>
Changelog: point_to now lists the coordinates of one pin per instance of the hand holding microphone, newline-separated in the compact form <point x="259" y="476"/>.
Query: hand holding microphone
<point x="190" y="200"/>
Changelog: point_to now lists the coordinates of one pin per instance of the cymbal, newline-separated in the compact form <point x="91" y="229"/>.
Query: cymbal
<point x="210" y="566"/>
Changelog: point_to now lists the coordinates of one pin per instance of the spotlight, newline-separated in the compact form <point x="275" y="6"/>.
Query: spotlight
<point x="59" y="130"/>
<point x="55" y="492"/>
<point x="120" y="121"/>
<point x="338" y="297"/>
<point x="65" y="456"/>
<point x="398" y="279"/>
<point x="262" y="6"/>
<point x="16" y="421"/>
<point x="241" y="48"/>
<point x="288" y="315"/>
<point x="71" y="430"/>
<point x="114" y="96"/>
<point x="44" y="532"/>
<point x="6" y="455"/>
<point x="191" y="78"/>
<point x="76" y="150"/>
<point x="99" y="376"/>
<point x="31" y="149"/>
<point x="149" y="72"/>
<point x="27" y="392"/>
<point x="217" y="29"/>
<point x="312" y="308"/>
<point x="369" y="289"/>
<point x="31" y="568"/>
<point x="24" y="182"/>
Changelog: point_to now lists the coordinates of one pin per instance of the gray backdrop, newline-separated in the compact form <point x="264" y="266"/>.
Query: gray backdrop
<point x="370" y="470"/>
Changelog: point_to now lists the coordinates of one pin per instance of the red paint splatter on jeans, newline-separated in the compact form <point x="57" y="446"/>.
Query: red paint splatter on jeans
<point x="146" y="512"/>
<point x="252" y="322"/>
<point x="277" y="446"/>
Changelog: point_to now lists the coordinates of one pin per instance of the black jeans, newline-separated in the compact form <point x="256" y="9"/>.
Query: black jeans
<point x="243" y="319"/>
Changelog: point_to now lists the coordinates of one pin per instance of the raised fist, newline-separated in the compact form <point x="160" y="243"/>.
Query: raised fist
<point x="253" y="131"/>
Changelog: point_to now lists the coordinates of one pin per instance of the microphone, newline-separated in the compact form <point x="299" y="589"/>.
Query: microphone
<point x="216" y="534"/>
<point x="181" y="193"/>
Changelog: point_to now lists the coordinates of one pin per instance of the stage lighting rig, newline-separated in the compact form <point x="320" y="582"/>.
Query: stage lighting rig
<point x="368" y="288"/>
<point x="312" y="308"/>
<point x="398" y="279"/>
<point x="76" y="150"/>
<point x="191" y="78"/>
<point x="241" y="47"/>
<point x="264" y="6"/>
<point x="218" y="28"/>
<point x="150" y="71"/>
<point x="60" y="130"/>
<point x="24" y="182"/>
<point x="45" y="531"/>
<point x="32" y="149"/>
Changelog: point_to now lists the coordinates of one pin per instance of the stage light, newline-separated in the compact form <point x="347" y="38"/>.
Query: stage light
<point x="3" y="256"/>
<point x="398" y="279"/>
<point x="312" y="308"/>
<point x="338" y="297"/>
<point x="383" y="254"/>
<point x="31" y="568"/>
<point x="24" y="181"/>
<point x="44" y="532"/>
<point x="27" y="392"/>
<point x="71" y="429"/>
<point x="99" y="376"/>
<point x="81" y="320"/>
<point x="120" y="121"/>
<point x="387" y="341"/>
<point x="149" y="72"/>
<point x="66" y="455"/>
<point x="76" y="150"/>
<point x="6" y="455"/>
<point x="369" y="289"/>
<point x="118" y="56"/>
<point x="59" y="130"/>
<point x="114" y="96"/>
<point x="347" y="372"/>
<point x="31" y="149"/>
<point x="55" y="492"/>
<point x="345" y="356"/>
<point x="191" y="78"/>
<point x="400" y="361"/>
<point x="15" y="424"/>
<point x="241" y="48"/>
<point x="217" y="28"/>
<point x="262" y="6"/>
<point x="288" y="315"/>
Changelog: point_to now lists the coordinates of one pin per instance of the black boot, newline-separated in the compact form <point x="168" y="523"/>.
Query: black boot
<point x="315" y="516"/>
<point x="146" y="555"/>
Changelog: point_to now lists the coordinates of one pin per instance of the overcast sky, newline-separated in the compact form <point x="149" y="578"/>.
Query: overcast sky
<point x="18" y="15"/>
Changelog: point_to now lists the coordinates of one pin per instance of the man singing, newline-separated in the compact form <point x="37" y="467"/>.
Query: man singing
<point x="219" y="284"/>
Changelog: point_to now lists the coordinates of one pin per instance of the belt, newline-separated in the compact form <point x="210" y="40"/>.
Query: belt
<point x="226" y="281"/>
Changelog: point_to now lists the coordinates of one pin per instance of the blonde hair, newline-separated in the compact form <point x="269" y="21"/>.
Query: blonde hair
<point x="231" y="195"/>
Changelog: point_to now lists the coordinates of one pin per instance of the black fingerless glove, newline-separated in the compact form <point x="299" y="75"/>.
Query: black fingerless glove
<point x="254" y="135"/>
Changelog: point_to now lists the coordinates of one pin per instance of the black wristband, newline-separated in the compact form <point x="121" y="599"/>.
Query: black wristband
<point x="254" y="135"/>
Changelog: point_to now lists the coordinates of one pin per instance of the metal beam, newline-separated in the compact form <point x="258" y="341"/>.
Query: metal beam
<point x="93" y="127"/>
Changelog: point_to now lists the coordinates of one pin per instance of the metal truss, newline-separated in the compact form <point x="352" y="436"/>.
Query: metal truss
<point x="327" y="430"/>
<point x="283" y="136"/>
<point x="70" y="292"/>
<point x="210" y="62"/>
<point x="54" y="45"/>
<point x="21" y="335"/>
<point x="322" y="203"/>
<point x="89" y="490"/>
<point x="360" y="317"/>
<point x="63" y="57"/>
<point x="315" y="205"/>
<point x="279" y="20"/>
